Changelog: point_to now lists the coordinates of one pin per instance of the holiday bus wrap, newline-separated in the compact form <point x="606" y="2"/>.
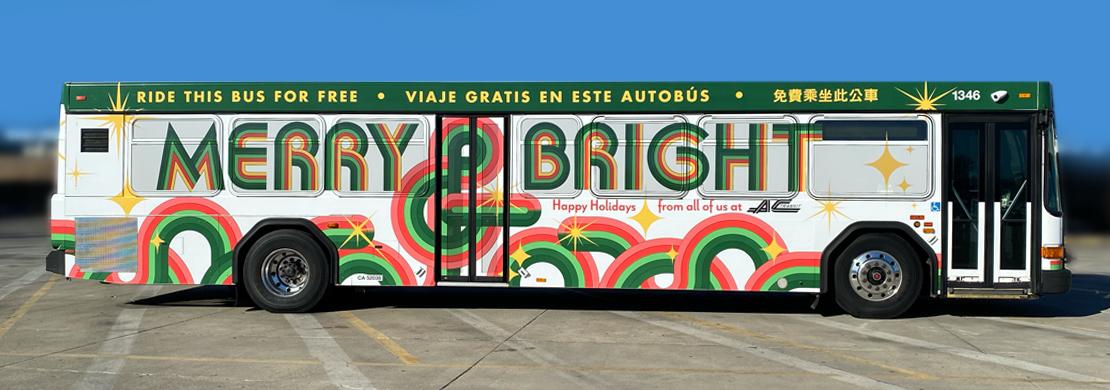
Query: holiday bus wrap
<point x="669" y="185"/>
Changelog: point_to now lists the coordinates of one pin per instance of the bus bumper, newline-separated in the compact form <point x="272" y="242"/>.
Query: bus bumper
<point x="1055" y="282"/>
<point x="56" y="261"/>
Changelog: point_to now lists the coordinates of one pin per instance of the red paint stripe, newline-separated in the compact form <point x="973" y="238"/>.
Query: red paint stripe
<point x="178" y="267"/>
<point x="783" y="261"/>
<point x="621" y="263"/>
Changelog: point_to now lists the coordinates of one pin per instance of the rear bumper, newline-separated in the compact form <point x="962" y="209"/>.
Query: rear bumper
<point x="1055" y="282"/>
<point x="56" y="261"/>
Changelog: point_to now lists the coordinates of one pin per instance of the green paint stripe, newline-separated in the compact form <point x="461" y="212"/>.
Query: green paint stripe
<point x="640" y="263"/>
<point x="786" y="273"/>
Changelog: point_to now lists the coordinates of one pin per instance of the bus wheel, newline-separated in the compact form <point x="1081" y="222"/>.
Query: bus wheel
<point x="286" y="271"/>
<point x="877" y="276"/>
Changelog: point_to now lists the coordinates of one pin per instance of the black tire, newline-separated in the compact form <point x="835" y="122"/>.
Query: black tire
<point x="287" y="244"/>
<point x="884" y="302"/>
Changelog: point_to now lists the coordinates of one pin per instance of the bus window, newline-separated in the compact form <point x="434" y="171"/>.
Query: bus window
<point x="1052" y="175"/>
<point x="880" y="158"/>
<point x="275" y="154"/>
<point x="369" y="155"/>
<point x="545" y="148"/>
<point x="176" y="155"/>
<point x="750" y="157"/>
<point x="637" y="157"/>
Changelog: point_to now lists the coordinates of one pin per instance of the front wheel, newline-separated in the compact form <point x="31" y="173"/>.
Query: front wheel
<point x="877" y="276"/>
<point x="286" y="272"/>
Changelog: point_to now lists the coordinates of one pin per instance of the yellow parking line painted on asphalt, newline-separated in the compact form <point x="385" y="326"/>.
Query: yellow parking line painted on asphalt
<point x="791" y="343"/>
<point x="382" y="339"/>
<point x="26" y="306"/>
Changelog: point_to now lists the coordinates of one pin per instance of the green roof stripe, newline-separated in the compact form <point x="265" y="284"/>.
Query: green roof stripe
<point x="550" y="97"/>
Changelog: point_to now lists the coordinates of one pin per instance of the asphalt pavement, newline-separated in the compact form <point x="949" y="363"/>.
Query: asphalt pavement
<point x="58" y="333"/>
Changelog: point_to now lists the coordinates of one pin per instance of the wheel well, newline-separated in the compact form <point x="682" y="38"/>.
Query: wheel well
<point x="273" y="224"/>
<point x="927" y="260"/>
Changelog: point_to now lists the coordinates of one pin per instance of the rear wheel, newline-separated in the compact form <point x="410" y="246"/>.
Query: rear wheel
<point x="877" y="276"/>
<point x="286" y="271"/>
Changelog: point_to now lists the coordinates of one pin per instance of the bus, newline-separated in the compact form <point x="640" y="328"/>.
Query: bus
<point x="872" y="194"/>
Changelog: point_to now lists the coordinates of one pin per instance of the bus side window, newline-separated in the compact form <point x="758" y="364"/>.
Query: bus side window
<point x="642" y="158"/>
<point x="545" y="149"/>
<point x="272" y="155"/>
<point x="752" y="157"/>
<point x="176" y="155"/>
<point x="871" y="158"/>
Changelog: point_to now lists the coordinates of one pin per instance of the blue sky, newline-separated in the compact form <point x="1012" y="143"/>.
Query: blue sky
<point x="47" y="43"/>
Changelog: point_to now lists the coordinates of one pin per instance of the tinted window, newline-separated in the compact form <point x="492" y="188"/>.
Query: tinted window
<point x="909" y="130"/>
<point x="1052" y="183"/>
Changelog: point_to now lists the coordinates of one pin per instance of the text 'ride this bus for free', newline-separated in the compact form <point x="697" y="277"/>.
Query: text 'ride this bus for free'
<point x="876" y="193"/>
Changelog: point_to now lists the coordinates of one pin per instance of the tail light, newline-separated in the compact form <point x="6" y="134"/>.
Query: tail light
<point x="1052" y="252"/>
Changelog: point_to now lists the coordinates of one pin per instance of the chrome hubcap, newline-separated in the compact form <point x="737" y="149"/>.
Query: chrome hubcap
<point x="875" y="275"/>
<point x="284" y="272"/>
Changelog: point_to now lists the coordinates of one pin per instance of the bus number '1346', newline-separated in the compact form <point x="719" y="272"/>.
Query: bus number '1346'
<point x="965" y="94"/>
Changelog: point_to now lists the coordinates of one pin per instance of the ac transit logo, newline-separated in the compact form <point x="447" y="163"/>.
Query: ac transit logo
<point x="777" y="206"/>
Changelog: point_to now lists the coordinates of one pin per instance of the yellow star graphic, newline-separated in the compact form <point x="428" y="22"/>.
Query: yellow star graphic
<point x="925" y="100"/>
<point x="519" y="255"/>
<point x="76" y="173"/>
<point x="886" y="164"/>
<point x="904" y="185"/>
<point x="828" y="208"/>
<point x="114" y="122"/>
<point x="575" y="233"/>
<point x="157" y="242"/>
<point x="672" y="253"/>
<point x="358" y="232"/>
<point x="126" y="199"/>
<point x="117" y="120"/>
<point x="645" y="217"/>
<point x="496" y="199"/>
<point x="774" y="249"/>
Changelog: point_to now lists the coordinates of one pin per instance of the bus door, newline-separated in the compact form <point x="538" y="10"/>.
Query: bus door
<point x="471" y="198"/>
<point x="988" y="204"/>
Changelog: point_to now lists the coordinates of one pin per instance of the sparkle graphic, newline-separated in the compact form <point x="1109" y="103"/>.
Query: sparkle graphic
<point x="117" y="120"/>
<point x="126" y="199"/>
<point x="575" y="233"/>
<point x="157" y="242"/>
<point x="645" y="217"/>
<point x="358" y="232"/>
<point x="519" y="255"/>
<point x="904" y="185"/>
<point x="886" y="164"/>
<point x="671" y="253"/>
<point x="926" y="99"/>
<point x="774" y="249"/>
<point x="829" y="209"/>
<point x="496" y="199"/>
<point x="76" y="173"/>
